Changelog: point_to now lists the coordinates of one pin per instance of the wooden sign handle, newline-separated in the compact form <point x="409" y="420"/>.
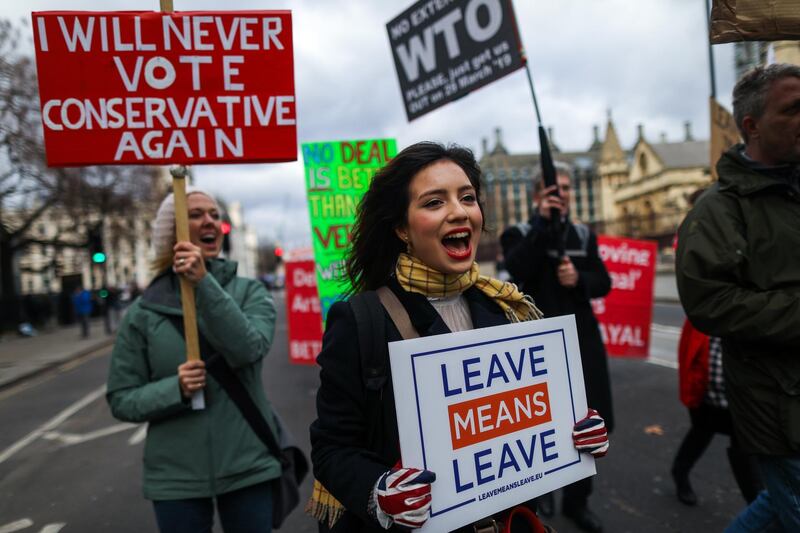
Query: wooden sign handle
<point x="182" y="233"/>
<point x="187" y="290"/>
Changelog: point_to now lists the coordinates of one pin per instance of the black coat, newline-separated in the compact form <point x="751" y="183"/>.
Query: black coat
<point x="344" y="459"/>
<point x="532" y="260"/>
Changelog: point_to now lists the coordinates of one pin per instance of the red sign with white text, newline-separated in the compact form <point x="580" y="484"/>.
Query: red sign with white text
<point x="625" y="314"/>
<point x="303" y="310"/>
<point x="137" y="87"/>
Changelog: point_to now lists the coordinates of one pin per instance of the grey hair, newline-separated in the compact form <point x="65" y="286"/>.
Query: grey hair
<point x="562" y="169"/>
<point x="750" y="92"/>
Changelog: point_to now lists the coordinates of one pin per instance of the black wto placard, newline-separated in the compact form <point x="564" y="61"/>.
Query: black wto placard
<point x="443" y="49"/>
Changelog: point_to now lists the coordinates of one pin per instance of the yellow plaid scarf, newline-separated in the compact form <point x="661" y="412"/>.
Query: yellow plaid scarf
<point x="415" y="276"/>
<point x="323" y="506"/>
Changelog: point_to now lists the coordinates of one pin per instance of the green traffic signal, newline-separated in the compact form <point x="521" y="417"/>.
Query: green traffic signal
<point x="99" y="257"/>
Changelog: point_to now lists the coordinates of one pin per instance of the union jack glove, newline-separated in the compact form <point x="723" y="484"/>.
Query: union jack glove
<point x="590" y="435"/>
<point x="404" y="497"/>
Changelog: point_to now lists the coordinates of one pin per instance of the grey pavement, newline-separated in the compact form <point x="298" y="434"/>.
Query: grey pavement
<point x="24" y="357"/>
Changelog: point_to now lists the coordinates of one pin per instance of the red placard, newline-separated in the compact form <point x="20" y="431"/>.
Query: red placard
<point x="625" y="314"/>
<point x="125" y="87"/>
<point x="303" y="310"/>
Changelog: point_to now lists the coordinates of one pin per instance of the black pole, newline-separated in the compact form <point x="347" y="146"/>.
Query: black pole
<point x="533" y="93"/>
<point x="548" y="169"/>
<point x="710" y="53"/>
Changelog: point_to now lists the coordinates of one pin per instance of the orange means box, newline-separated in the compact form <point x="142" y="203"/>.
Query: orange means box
<point x="485" y="418"/>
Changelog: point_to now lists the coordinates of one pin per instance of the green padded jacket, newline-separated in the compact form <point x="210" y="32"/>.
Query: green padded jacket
<point x="191" y="454"/>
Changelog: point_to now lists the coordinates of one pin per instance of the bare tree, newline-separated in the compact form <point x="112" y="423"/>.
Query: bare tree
<point x="29" y="190"/>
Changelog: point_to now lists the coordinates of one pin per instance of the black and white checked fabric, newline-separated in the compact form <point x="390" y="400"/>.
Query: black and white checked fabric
<point x="715" y="394"/>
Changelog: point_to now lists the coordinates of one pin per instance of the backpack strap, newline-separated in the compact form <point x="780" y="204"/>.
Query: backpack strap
<point x="374" y="355"/>
<point x="397" y="312"/>
<point x="371" y="330"/>
<point x="368" y="309"/>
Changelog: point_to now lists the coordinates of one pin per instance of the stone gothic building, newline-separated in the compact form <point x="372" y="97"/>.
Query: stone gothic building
<point x="638" y="192"/>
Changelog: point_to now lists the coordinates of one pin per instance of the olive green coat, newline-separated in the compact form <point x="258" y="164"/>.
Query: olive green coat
<point x="191" y="454"/>
<point x="738" y="273"/>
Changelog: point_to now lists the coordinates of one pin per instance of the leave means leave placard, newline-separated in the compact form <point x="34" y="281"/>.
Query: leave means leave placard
<point x="491" y="412"/>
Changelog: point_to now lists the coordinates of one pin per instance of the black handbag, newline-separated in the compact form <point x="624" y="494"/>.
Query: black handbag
<point x="294" y="465"/>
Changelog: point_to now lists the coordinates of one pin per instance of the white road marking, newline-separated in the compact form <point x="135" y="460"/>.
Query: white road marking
<point x="53" y="528"/>
<point x="16" y="526"/>
<point x="663" y="346"/>
<point x="76" y="438"/>
<point x="665" y="329"/>
<point x="139" y="436"/>
<point x="661" y="362"/>
<point x="51" y="424"/>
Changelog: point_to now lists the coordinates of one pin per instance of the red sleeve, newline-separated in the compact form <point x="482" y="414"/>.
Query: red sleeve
<point x="692" y="365"/>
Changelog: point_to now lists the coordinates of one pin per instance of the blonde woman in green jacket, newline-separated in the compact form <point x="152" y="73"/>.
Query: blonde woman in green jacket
<point x="196" y="458"/>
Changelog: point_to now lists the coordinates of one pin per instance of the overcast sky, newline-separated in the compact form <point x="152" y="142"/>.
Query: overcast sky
<point x="646" y="61"/>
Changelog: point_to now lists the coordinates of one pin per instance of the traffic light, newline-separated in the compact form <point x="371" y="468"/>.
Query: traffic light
<point x="226" y="240"/>
<point x="96" y="251"/>
<point x="278" y="254"/>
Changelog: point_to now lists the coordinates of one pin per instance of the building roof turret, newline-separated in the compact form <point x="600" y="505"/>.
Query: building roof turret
<point x="611" y="149"/>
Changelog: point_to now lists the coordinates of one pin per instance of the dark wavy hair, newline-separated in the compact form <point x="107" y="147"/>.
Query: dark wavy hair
<point x="384" y="208"/>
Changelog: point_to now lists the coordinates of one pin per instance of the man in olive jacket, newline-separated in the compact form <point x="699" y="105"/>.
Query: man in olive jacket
<point x="738" y="275"/>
